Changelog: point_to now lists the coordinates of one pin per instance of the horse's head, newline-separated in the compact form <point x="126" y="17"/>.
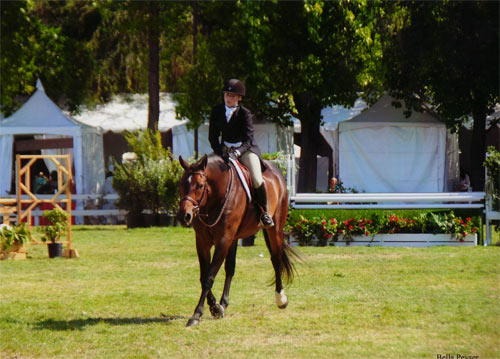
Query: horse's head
<point x="193" y="190"/>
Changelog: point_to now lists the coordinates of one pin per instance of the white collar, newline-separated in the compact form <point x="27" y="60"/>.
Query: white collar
<point x="230" y="111"/>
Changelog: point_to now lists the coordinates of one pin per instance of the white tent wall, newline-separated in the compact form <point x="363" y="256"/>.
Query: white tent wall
<point x="381" y="150"/>
<point x="93" y="161"/>
<point x="393" y="159"/>
<point x="6" y="147"/>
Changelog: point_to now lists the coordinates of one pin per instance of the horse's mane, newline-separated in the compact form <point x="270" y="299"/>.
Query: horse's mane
<point x="216" y="164"/>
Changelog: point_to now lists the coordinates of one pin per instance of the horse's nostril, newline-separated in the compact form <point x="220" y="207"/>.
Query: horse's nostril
<point x="187" y="218"/>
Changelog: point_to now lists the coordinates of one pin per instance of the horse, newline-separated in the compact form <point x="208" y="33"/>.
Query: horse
<point x="215" y="203"/>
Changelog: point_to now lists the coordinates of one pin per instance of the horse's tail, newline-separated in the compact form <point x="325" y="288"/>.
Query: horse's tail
<point x="287" y="258"/>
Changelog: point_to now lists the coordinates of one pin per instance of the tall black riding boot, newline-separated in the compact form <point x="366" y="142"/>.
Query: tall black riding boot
<point x="261" y="198"/>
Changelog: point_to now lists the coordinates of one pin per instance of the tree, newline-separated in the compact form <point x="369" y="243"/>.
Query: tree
<point x="294" y="57"/>
<point x="313" y="55"/>
<point x="86" y="52"/>
<point x="446" y="57"/>
<point x="46" y="40"/>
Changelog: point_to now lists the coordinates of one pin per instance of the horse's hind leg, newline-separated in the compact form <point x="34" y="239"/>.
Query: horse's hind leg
<point x="275" y="247"/>
<point x="229" y="267"/>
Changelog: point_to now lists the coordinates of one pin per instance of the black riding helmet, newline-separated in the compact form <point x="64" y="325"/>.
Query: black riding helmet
<point x="235" y="86"/>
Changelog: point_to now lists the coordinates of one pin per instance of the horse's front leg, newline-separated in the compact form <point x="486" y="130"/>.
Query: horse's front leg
<point x="203" y="251"/>
<point x="208" y="277"/>
<point x="229" y="267"/>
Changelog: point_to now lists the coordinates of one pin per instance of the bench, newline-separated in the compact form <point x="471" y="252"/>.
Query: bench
<point x="7" y="209"/>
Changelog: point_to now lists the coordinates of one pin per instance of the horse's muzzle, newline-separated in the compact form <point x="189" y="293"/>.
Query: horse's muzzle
<point x="185" y="217"/>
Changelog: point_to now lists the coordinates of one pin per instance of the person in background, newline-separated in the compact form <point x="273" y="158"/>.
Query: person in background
<point x="53" y="182"/>
<point x="107" y="188"/>
<point x="40" y="181"/>
<point x="333" y="187"/>
<point x="464" y="183"/>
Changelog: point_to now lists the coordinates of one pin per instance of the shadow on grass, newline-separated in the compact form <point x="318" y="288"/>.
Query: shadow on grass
<point x="80" y="324"/>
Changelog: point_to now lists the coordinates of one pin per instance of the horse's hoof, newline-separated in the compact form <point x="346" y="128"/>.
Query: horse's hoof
<point x="192" y="322"/>
<point x="283" y="306"/>
<point x="217" y="311"/>
<point x="281" y="299"/>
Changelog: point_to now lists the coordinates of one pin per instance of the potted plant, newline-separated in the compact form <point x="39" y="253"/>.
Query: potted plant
<point x="13" y="240"/>
<point x="58" y="226"/>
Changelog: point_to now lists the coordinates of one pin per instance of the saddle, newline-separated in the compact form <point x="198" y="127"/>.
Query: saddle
<point x="244" y="176"/>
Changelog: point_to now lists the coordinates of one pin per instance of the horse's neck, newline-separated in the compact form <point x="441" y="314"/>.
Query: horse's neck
<point x="218" y="180"/>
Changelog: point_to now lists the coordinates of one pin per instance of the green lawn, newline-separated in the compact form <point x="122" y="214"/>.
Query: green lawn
<point x="131" y="292"/>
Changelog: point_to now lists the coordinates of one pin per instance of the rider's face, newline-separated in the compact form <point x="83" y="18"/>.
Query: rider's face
<point x="231" y="99"/>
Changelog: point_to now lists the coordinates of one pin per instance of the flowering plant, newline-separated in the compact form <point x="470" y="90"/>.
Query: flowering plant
<point x="317" y="227"/>
<point x="393" y="224"/>
<point x="11" y="235"/>
<point x="456" y="226"/>
<point x="328" y="229"/>
<point x="354" y="226"/>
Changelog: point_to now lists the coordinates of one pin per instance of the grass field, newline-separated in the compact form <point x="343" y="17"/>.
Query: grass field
<point x="131" y="292"/>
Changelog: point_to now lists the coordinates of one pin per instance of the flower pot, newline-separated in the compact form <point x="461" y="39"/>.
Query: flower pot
<point x="55" y="249"/>
<point x="134" y="220"/>
<point x="398" y="240"/>
<point x="164" y="220"/>
<point x="16" y="251"/>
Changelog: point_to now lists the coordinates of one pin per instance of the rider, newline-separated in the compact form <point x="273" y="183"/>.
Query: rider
<point x="235" y="124"/>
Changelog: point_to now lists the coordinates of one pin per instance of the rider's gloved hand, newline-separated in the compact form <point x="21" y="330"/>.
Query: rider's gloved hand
<point x="234" y="154"/>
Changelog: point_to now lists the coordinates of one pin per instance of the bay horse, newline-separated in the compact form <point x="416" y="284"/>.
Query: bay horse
<point x="214" y="202"/>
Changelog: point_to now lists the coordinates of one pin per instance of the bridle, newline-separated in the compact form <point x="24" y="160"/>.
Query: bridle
<point x="199" y="204"/>
<point x="196" y="203"/>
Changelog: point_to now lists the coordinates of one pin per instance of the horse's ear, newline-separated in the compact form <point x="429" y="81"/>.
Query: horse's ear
<point x="183" y="163"/>
<point x="203" y="162"/>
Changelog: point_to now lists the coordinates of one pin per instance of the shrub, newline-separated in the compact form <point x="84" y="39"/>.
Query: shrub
<point x="492" y="164"/>
<point x="58" y="224"/>
<point x="11" y="235"/>
<point x="279" y="159"/>
<point x="149" y="180"/>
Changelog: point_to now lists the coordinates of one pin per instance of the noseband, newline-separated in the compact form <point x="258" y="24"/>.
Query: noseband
<point x="198" y="204"/>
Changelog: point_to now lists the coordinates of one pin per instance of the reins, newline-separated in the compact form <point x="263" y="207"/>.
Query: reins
<point x="198" y="204"/>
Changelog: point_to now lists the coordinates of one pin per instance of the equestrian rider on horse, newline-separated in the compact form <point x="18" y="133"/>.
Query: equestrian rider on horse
<point x="235" y="124"/>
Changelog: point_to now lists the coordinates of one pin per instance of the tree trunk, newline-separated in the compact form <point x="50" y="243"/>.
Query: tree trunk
<point x="309" y="111"/>
<point x="195" y="39"/>
<point x="154" y="68"/>
<point x="478" y="149"/>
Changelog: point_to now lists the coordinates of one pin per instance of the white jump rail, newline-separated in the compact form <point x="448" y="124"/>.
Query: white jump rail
<point x="388" y="200"/>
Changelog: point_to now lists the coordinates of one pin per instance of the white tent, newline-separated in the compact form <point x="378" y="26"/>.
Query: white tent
<point x="381" y="150"/>
<point x="40" y="116"/>
<point x="131" y="113"/>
